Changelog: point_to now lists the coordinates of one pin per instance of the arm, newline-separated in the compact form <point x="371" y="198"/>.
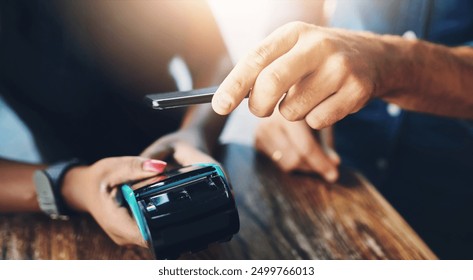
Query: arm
<point x="207" y="58"/>
<point x="17" y="191"/>
<point x="329" y="73"/>
<point x="90" y="189"/>
<point x="208" y="62"/>
<point x="427" y="77"/>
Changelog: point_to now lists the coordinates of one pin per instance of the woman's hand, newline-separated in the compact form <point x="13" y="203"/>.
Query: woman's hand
<point x="93" y="189"/>
<point x="293" y="146"/>
<point x="186" y="146"/>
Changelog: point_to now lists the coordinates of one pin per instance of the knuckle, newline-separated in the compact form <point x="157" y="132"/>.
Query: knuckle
<point x="356" y="82"/>
<point x="236" y="85"/>
<point x="322" y="166"/>
<point x="307" y="96"/>
<point x="297" y="163"/>
<point x="271" y="78"/>
<point x="359" y="89"/>
<point x="309" y="148"/>
<point x="295" y="104"/>
<point x="327" y="44"/>
<point x="342" y="62"/>
<point x="258" y="57"/>
<point x="289" y="112"/>
<point x="360" y="100"/>
<point x="286" y="166"/>
<point x="291" y="163"/>
<point x="358" y="95"/>
<point x="344" y="59"/>
<point x="297" y="26"/>
<point x="259" y="111"/>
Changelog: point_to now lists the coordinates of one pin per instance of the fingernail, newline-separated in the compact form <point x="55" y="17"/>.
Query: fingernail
<point x="154" y="165"/>
<point x="223" y="103"/>
<point x="331" y="176"/>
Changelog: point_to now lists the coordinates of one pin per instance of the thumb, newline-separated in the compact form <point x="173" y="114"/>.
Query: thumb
<point x="119" y="170"/>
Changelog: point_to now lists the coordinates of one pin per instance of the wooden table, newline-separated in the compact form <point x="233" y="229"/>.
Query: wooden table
<point x="282" y="217"/>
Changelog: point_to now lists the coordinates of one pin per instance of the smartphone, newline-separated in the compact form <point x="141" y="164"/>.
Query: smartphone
<point x="169" y="100"/>
<point x="183" y="210"/>
<point x="176" y="99"/>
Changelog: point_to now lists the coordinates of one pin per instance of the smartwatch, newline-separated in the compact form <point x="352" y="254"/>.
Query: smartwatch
<point x="48" y="184"/>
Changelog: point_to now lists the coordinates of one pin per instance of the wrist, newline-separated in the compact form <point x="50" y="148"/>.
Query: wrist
<point x="204" y="126"/>
<point x="397" y="67"/>
<point x="48" y="183"/>
<point x="195" y="136"/>
<point x="74" y="190"/>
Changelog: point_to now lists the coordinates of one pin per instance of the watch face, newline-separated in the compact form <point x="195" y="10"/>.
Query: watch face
<point x="44" y="191"/>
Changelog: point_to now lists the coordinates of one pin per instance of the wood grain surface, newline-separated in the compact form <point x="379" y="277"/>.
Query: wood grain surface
<point x="282" y="216"/>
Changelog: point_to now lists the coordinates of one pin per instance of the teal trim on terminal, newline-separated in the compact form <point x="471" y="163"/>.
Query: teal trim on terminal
<point x="130" y="198"/>
<point x="217" y="168"/>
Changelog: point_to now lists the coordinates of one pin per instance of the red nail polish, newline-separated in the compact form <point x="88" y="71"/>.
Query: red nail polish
<point x="154" y="165"/>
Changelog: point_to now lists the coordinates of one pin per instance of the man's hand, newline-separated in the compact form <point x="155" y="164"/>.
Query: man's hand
<point x="293" y="146"/>
<point x="323" y="74"/>
<point x="326" y="73"/>
<point x="93" y="189"/>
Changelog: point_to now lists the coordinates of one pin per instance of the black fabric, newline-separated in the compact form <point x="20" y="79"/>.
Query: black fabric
<point x="71" y="106"/>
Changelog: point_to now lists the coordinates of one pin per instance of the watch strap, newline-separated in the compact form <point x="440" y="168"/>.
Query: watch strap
<point x="55" y="175"/>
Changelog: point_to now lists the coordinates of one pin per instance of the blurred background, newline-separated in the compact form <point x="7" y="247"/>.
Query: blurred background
<point x="243" y="23"/>
<point x="15" y="138"/>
